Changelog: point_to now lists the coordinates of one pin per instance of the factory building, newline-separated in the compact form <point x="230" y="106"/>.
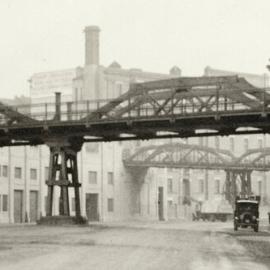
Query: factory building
<point x="109" y="191"/>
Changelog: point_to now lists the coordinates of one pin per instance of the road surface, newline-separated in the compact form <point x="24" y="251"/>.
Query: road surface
<point x="127" y="246"/>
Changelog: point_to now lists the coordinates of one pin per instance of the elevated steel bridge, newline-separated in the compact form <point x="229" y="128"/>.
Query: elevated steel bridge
<point x="179" y="107"/>
<point x="180" y="155"/>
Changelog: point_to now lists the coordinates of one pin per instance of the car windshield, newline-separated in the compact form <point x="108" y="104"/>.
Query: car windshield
<point x="247" y="207"/>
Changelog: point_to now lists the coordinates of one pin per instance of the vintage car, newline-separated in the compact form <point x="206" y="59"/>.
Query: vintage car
<point x="246" y="213"/>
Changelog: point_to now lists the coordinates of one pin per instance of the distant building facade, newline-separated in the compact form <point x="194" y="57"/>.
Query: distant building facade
<point x="109" y="191"/>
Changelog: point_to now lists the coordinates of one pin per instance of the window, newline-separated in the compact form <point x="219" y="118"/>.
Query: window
<point x="245" y="144"/>
<point x="217" y="144"/>
<point x="46" y="173"/>
<point x="5" y="203"/>
<point x="33" y="174"/>
<point x="4" y="170"/>
<point x="217" y="186"/>
<point x="92" y="177"/>
<point x="260" y="188"/>
<point x="169" y="185"/>
<point x="110" y="178"/>
<point x="201" y="141"/>
<point x="201" y="186"/>
<point x="73" y="204"/>
<point x="260" y="143"/>
<point x="110" y="205"/>
<point x="18" y="172"/>
<point x="231" y="144"/>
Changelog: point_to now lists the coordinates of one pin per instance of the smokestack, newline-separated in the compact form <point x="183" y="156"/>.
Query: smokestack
<point x="91" y="45"/>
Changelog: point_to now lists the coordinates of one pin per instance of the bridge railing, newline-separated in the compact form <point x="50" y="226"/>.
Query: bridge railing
<point x="71" y="111"/>
<point x="65" y="111"/>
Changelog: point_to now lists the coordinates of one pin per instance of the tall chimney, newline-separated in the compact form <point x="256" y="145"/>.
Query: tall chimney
<point x="91" y="45"/>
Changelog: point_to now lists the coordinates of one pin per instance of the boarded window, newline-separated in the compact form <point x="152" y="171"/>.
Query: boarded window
<point x="18" y="172"/>
<point x="110" y="178"/>
<point x="110" y="205"/>
<point x="201" y="186"/>
<point x="217" y="186"/>
<point x="92" y="177"/>
<point x="5" y="171"/>
<point x="169" y="185"/>
<point x="33" y="174"/>
<point x="5" y="203"/>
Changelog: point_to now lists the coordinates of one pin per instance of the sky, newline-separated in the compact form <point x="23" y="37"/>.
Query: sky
<point x="153" y="35"/>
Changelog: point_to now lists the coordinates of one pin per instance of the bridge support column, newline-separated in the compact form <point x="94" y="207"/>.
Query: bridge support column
<point x="231" y="187"/>
<point x="63" y="173"/>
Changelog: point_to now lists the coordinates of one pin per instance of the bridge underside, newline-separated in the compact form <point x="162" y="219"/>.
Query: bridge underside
<point x="179" y="155"/>
<point x="180" y="107"/>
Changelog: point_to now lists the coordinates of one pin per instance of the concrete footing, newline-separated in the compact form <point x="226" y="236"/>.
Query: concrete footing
<point x="62" y="220"/>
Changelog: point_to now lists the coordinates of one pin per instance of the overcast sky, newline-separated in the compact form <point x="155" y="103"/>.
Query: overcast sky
<point x="154" y="35"/>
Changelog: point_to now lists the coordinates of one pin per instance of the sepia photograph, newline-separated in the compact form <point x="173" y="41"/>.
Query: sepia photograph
<point x="135" y="135"/>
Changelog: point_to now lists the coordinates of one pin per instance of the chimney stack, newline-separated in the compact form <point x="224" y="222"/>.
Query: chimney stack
<point x="91" y="45"/>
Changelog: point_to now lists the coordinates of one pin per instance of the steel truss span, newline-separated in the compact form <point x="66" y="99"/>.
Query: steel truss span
<point x="179" y="107"/>
<point x="181" y="155"/>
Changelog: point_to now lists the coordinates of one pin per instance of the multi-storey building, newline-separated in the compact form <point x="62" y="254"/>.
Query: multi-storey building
<point x="109" y="191"/>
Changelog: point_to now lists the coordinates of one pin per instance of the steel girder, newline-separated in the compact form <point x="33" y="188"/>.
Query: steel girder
<point x="11" y="116"/>
<point x="180" y="155"/>
<point x="256" y="159"/>
<point x="179" y="107"/>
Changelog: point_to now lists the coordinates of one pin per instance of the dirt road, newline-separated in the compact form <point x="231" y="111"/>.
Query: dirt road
<point x="178" y="245"/>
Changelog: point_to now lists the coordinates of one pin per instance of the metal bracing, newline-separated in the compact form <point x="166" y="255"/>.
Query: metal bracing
<point x="237" y="182"/>
<point x="180" y="155"/>
<point x="63" y="172"/>
<point x="178" y="107"/>
<point x="10" y="116"/>
<point x="256" y="159"/>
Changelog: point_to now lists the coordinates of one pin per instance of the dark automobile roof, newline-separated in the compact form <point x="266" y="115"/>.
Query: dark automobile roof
<point x="247" y="201"/>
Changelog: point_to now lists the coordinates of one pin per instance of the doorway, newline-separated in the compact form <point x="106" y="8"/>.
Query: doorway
<point x="91" y="207"/>
<point x="160" y="203"/>
<point x="33" y="206"/>
<point x="18" y="206"/>
<point x="186" y="191"/>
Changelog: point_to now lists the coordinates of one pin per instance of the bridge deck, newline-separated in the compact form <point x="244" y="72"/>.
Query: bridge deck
<point x="180" y="107"/>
